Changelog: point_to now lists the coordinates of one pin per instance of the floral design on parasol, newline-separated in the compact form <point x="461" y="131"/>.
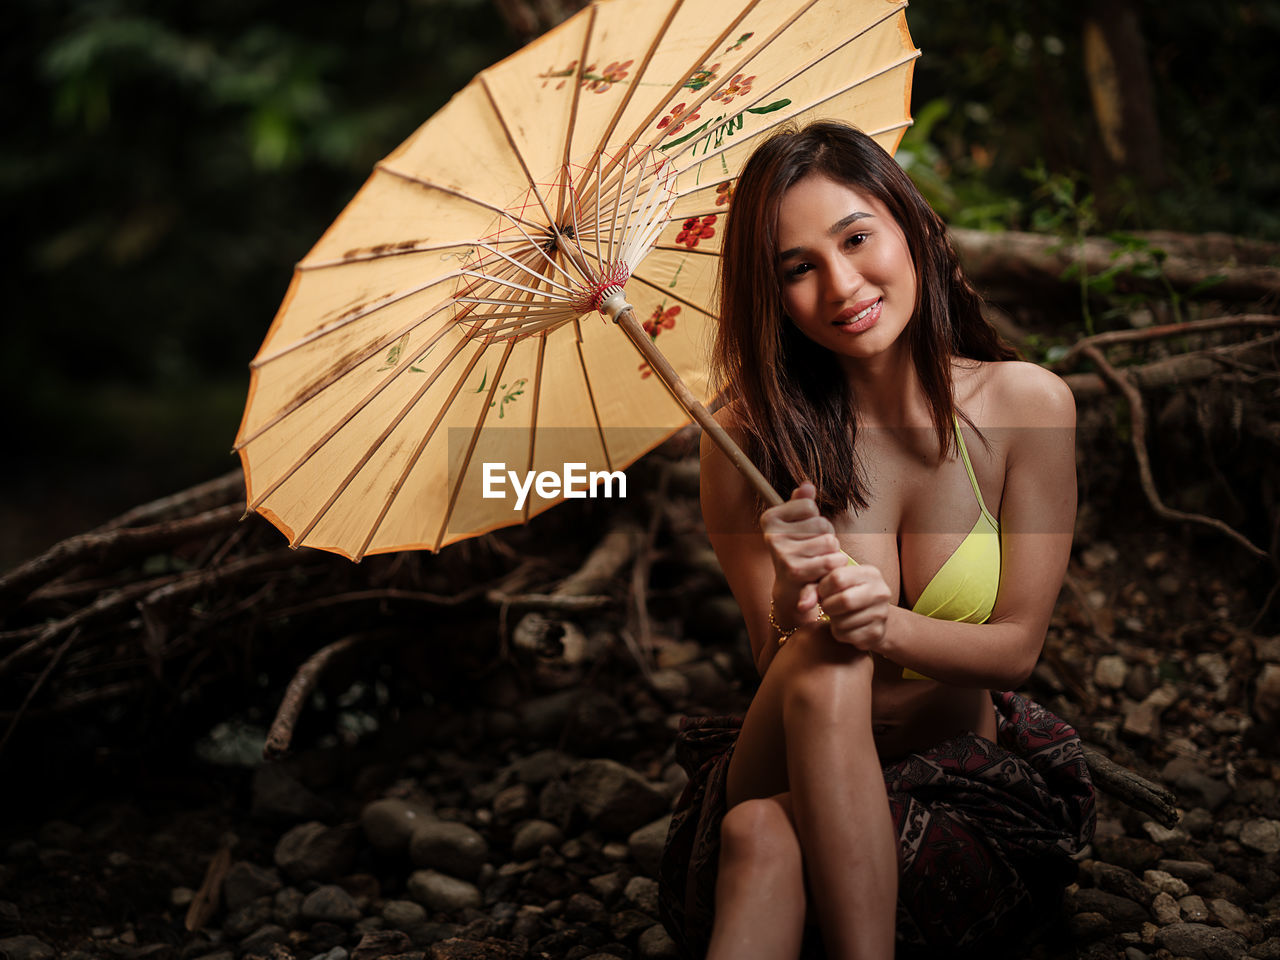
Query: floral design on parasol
<point x="450" y="317"/>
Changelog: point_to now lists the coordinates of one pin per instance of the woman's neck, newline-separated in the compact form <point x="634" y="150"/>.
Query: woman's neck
<point x="888" y="389"/>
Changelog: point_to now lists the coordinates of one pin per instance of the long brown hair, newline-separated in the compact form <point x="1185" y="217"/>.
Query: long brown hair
<point x="791" y="396"/>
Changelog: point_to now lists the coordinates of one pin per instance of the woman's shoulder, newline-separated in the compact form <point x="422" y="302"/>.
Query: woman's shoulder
<point x="1015" y="393"/>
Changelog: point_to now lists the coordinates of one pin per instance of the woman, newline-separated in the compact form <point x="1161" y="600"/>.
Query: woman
<point x="876" y="784"/>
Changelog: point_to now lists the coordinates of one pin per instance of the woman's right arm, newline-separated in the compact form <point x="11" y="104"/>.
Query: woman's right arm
<point x="777" y="557"/>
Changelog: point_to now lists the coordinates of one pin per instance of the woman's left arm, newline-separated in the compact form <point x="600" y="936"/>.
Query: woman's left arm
<point x="1035" y="410"/>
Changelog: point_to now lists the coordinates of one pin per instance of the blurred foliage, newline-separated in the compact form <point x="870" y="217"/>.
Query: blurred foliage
<point x="164" y="165"/>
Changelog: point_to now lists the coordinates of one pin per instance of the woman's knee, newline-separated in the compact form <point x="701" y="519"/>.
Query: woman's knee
<point x="760" y="832"/>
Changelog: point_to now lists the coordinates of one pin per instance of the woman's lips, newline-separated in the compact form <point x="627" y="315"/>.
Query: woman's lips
<point x="861" y="316"/>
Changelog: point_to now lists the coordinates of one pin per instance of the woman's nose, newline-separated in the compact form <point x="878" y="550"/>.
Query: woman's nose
<point x="843" y="280"/>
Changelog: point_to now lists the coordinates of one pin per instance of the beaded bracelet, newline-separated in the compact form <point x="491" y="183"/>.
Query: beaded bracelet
<point x="785" y="635"/>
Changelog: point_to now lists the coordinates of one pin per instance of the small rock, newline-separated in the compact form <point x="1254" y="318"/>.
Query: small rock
<point x="1192" y="871"/>
<point x="1200" y="942"/>
<point x="261" y="939"/>
<point x="642" y="893"/>
<point x="1089" y="926"/>
<point x="314" y="851"/>
<point x="1224" y="886"/>
<point x="330" y="903"/>
<point x="1267" y="950"/>
<point x="403" y="914"/>
<point x="615" y="798"/>
<point x="1187" y="775"/>
<point x="1143" y="719"/>
<point x="1110" y="905"/>
<point x="514" y="803"/>
<point x="533" y="836"/>
<point x="1118" y="880"/>
<point x="647" y="843"/>
<point x="1199" y="822"/>
<point x="1110" y="672"/>
<point x="178" y="897"/>
<point x="389" y="823"/>
<point x="670" y="685"/>
<point x="277" y="795"/>
<point x="26" y="948"/>
<point x="656" y="944"/>
<point x="1193" y="908"/>
<point x="383" y="943"/>
<point x="555" y="804"/>
<point x="441" y="892"/>
<point x="606" y="886"/>
<point x="337" y="953"/>
<point x="1165" y="909"/>
<point x="1165" y="836"/>
<point x="1166" y="883"/>
<point x="450" y="847"/>
<point x="584" y="908"/>
<point x="457" y="948"/>
<point x="287" y="908"/>
<point x="1266" y="699"/>
<point x="246" y="882"/>
<point x="537" y="768"/>
<point x="1261" y="835"/>
<point x="244" y="920"/>
<point x="1234" y="918"/>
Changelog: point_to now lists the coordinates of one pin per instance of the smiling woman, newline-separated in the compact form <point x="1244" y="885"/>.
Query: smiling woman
<point x="879" y="785"/>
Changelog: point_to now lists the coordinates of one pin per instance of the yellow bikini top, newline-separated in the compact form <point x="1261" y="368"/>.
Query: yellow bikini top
<point x="965" y="586"/>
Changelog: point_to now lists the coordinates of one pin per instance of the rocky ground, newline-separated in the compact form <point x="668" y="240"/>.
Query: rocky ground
<point x="523" y="816"/>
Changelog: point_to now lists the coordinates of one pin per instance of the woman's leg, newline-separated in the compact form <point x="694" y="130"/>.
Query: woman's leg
<point x="760" y="900"/>
<point x="808" y="731"/>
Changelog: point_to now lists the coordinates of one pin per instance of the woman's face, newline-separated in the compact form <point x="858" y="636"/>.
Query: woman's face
<point x="847" y="278"/>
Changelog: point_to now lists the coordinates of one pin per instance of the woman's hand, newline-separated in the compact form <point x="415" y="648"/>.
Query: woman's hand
<point x="803" y="546"/>
<point x="858" y="601"/>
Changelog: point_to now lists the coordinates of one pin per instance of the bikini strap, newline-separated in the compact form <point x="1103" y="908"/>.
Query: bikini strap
<point x="968" y="466"/>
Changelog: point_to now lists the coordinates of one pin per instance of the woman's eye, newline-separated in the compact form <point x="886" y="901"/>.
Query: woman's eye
<point x="855" y="239"/>
<point x="799" y="270"/>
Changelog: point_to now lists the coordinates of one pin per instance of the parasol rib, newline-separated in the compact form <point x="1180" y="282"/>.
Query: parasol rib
<point x="518" y="222"/>
<point x="784" y="118"/>
<point x="888" y="15"/>
<point x="573" y="111"/>
<point x="471" y="445"/>
<point x="661" y="103"/>
<point x="417" y="453"/>
<point x="397" y="250"/>
<point x="607" y="134"/>
<point x="533" y="415"/>
<point x="511" y="142"/>
<point x="376" y="445"/>
<point x="675" y="296"/>
<point x="261" y="498"/>
<point x="591" y="396"/>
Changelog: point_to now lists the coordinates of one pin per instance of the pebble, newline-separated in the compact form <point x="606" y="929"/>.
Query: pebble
<point x="278" y="795"/>
<point x="646" y="844"/>
<point x="1165" y="836"/>
<point x="532" y="836"/>
<point x="26" y="948"/>
<point x="1261" y="835"/>
<point x="514" y="803"/>
<point x="1201" y="942"/>
<point x="1266" y="698"/>
<point x="539" y="767"/>
<point x="1089" y="926"/>
<point x="642" y="893"/>
<point x="1110" y="672"/>
<point x="449" y="847"/>
<point x="441" y="892"/>
<point x="1166" y="883"/>
<point x="331" y="903"/>
<point x="314" y="851"/>
<point x="403" y="914"/>
<point x="656" y="944"/>
<point x="389" y="823"/>
<point x="1192" y="871"/>
<point x="614" y="797"/>
<point x="1234" y="918"/>
<point x="1193" y="908"/>
<point x="1165" y="909"/>
<point x="246" y="882"/>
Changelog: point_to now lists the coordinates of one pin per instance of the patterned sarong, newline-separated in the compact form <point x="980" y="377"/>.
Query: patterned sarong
<point x="986" y="832"/>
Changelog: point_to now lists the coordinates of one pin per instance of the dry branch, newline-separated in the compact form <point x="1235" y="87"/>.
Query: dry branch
<point x="1035" y="259"/>
<point x="300" y="687"/>
<point x="1138" y="425"/>
<point x="1134" y="790"/>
